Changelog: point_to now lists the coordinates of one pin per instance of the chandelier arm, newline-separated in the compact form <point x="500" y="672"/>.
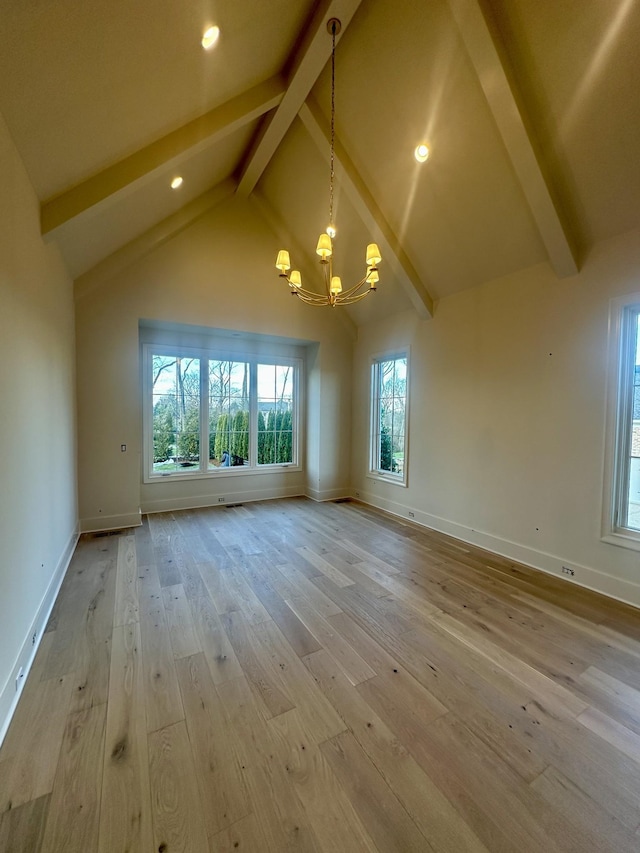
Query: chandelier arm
<point x="356" y="287"/>
<point x="353" y="299"/>
<point x="313" y="300"/>
<point x="348" y="297"/>
<point x="310" y="296"/>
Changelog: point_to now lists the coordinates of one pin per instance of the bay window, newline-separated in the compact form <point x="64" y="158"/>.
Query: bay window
<point x="205" y="414"/>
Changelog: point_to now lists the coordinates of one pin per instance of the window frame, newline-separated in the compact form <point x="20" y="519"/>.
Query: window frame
<point x="205" y="356"/>
<point x="375" y="472"/>
<point x="624" y="316"/>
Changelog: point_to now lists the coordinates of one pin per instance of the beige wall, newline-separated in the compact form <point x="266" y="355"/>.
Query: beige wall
<point x="507" y="416"/>
<point x="37" y="421"/>
<point x="218" y="273"/>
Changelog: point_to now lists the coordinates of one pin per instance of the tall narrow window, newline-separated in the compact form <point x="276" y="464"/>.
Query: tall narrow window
<point x="228" y="413"/>
<point x="275" y="414"/>
<point x="626" y="476"/>
<point x="389" y="376"/>
<point x="176" y="413"/>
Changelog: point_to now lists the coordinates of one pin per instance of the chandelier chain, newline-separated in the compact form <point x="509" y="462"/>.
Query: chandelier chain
<point x="334" y="293"/>
<point x="333" y="110"/>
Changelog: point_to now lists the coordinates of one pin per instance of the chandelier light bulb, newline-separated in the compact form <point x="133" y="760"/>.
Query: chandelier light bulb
<point x="331" y="230"/>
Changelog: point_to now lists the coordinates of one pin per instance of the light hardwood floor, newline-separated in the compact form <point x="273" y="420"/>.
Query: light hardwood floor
<point x="291" y="676"/>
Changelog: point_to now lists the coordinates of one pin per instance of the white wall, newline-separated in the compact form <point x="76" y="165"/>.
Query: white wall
<point x="507" y="417"/>
<point x="37" y="422"/>
<point x="218" y="273"/>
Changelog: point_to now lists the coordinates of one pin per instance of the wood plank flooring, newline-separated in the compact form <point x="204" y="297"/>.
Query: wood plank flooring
<point x="291" y="676"/>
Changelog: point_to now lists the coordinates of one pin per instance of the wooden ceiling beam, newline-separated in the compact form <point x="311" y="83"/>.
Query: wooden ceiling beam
<point x="310" y="59"/>
<point x="126" y="174"/>
<point x="367" y="208"/>
<point x="504" y="103"/>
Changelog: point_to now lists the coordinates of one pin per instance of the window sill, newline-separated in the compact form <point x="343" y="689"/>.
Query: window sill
<point x="630" y="540"/>
<point x="218" y="473"/>
<point x="393" y="479"/>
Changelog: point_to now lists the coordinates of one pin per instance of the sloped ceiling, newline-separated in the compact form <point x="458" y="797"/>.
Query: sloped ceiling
<point x="530" y="110"/>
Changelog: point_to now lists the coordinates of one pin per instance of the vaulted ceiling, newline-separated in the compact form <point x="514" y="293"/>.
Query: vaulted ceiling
<point x="530" y="110"/>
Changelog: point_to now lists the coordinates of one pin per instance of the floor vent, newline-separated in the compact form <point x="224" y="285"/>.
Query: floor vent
<point x="100" y="533"/>
<point x="342" y="501"/>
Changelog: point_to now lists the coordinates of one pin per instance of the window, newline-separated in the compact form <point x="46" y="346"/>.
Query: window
<point x="275" y="408"/>
<point x="389" y="417"/>
<point x="205" y="415"/>
<point x="229" y="414"/>
<point x="623" y="475"/>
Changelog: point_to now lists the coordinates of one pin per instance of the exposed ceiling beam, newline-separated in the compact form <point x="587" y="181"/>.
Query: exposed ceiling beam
<point x="369" y="211"/>
<point x="126" y="174"/>
<point x="286" y="238"/>
<point x="311" y="58"/>
<point x="521" y="148"/>
<point x="151" y="239"/>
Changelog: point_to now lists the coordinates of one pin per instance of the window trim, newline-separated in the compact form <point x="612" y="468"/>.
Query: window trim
<point x="619" y="416"/>
<point x="375" y="473"/>
<point x="206" y="354"/>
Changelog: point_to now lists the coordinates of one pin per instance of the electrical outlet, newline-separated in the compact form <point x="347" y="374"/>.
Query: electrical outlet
<point x="221" y="500"/>
<point x="567" y="571"/>
<point x="19" y="678"/>
<point x="33" y="639"/>
<point x="412" y="514"/>
<point x="357" y="494"/>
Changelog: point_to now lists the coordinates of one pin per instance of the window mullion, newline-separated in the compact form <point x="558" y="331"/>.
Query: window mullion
<point x="253" y="414"/>
<point x="204" y="414"/>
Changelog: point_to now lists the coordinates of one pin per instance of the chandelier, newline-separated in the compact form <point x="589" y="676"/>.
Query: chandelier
<point x="334" y="294"/>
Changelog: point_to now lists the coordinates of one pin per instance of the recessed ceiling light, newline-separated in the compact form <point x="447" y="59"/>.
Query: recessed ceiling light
<point x="210" y="37"/>
<point x="176" y="182"/>
<point x="421" y="153"/>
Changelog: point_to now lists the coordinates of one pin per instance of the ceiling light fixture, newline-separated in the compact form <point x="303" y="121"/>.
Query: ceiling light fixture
<point x="210" y="37"/>
<point x="334" y="294"/>
<point x="421" y="153"/>
<point x="176" y="182"/>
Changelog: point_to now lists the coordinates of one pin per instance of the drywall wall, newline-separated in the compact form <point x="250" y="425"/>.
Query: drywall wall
<point x="218" y="273"/>
<point x="508" y="387"/>
<point x="37" y="423"/>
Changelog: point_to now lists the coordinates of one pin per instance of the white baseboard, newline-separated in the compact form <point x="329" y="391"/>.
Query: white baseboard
<point x="327" y="494"/>
<point x="9" y="695"/>
<point x="585" y="576"/>
<point x="239" y="497"/>
<point x="110" y="522"/>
